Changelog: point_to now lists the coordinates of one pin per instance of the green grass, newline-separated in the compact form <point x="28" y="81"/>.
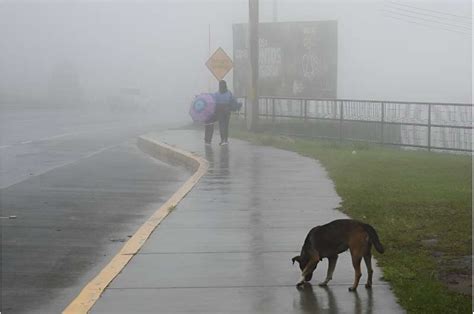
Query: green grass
<point x="408" y="196"/>
<point x="331" y="129"/>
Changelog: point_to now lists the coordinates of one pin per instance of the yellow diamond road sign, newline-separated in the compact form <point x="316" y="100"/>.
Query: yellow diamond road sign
<point x="219" y="64"/>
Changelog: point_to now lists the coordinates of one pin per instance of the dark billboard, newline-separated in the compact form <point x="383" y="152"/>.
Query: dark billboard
<point x="296" y="59"/>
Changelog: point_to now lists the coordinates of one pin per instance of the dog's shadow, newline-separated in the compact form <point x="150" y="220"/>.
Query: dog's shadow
<point x="310" y="302"/>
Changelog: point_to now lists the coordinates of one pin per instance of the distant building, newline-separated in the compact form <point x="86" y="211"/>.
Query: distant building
<point x="64" y="88"/>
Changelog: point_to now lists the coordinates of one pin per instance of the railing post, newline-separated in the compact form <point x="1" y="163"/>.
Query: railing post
<point x="266" y="108"/>
<point x="301" y="108"/>
<point x="305" y="112"/>
<point x="273" y="110"/>
<point x="341" y="118"/>
<point x="245" y="109"/>
<point x="429" y="127"/>
<point x="383" y="120"/>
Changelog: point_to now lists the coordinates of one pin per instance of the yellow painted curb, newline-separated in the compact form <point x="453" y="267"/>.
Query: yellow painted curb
<point x="94" y="289"/>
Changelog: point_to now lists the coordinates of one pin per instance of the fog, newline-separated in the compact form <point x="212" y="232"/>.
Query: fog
<point x="158" y="49"/>
<point x="82" y="80"/>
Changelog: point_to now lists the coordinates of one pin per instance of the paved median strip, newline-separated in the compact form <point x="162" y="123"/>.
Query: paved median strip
<point x="94" y="289"/>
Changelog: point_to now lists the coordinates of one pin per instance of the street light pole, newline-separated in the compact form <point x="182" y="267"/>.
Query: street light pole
<point x="252" y="112"/>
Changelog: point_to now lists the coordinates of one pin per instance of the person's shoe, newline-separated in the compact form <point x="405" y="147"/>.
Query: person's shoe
<point x="224" y="143"/>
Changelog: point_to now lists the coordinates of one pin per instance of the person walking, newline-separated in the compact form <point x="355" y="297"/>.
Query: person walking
<point x="224" y="101"/>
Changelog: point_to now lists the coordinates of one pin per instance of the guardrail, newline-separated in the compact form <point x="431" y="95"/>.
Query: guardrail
<point x="434" y="126"/>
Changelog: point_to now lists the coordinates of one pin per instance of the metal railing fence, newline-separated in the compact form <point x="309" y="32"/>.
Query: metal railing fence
<point x="434" y="126"/>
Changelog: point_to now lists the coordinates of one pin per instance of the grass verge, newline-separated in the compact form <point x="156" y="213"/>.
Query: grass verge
<point x="420" y="204"/>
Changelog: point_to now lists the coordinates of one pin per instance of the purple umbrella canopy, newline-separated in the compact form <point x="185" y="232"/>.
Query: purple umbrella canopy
<point x="202" y="108"/>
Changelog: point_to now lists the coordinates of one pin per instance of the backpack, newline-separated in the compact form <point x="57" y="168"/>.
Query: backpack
<point x="235" y="105"/>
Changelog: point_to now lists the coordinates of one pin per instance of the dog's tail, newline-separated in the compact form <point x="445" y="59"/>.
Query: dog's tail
<point x="374" y="238"/>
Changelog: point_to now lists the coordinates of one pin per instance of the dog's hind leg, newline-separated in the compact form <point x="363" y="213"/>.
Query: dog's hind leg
<point x="370" y="271"/>
<point x="356" y="259"/>
<point x="332" y="265"/>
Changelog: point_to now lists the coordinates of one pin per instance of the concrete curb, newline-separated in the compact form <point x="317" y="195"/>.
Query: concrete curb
<point x="89" y="295"/>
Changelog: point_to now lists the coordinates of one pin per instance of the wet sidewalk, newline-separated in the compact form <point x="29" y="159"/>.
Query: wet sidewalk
<point x="228" y="245"/>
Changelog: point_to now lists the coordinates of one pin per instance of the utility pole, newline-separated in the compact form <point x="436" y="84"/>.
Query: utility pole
<point x="252" y="97"/>
<point x="275" y="11"/>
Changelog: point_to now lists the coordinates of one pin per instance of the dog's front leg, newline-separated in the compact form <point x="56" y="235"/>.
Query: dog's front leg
<point x="332" y="265"/>
<point x="310" y="267"/>
<point x="301" y="282"/>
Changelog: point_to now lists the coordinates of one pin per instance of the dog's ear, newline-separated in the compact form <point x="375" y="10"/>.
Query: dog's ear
<point x="296" y="258"/>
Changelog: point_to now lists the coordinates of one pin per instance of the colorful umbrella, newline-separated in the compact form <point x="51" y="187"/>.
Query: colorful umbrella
<point x="202" y="108"/>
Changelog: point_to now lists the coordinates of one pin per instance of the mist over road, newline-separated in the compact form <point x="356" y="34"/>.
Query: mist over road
<point x="35" y="141"/>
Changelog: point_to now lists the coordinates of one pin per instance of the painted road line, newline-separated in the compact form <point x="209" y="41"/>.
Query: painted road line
<point x="94" y="289"/>
<point x="44" y="139"/>
<point x="48" y="138"/>
<point x="53" y="137"/>
<point x="67" y="163"/>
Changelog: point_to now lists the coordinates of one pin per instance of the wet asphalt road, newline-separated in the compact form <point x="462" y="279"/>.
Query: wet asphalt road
<point x="78" y="188"/>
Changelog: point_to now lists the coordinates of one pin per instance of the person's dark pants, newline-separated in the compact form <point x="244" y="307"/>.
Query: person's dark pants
<point x="223" y="117"/>
<point x="208" y="131"/>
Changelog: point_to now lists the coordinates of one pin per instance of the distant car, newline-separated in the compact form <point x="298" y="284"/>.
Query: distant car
<point x="129" y="100"/>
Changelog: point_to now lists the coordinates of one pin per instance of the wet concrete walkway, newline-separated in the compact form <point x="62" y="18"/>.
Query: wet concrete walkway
<point x="227" y="247"/>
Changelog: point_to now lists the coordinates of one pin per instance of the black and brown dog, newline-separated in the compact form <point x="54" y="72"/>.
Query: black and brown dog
<point x="336" y="237"/>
